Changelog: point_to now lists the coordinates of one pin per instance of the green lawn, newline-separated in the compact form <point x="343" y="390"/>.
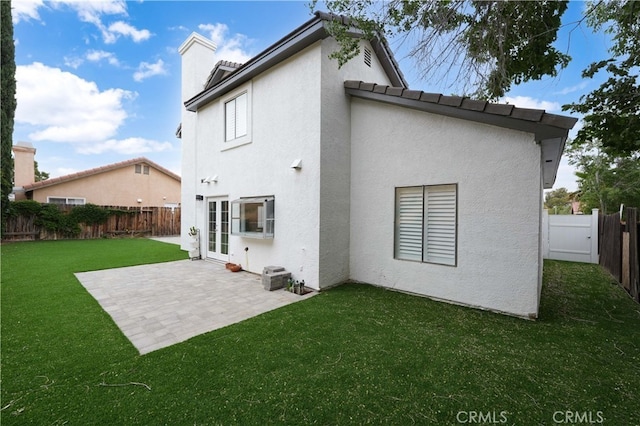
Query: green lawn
<point x="352" y="355"/>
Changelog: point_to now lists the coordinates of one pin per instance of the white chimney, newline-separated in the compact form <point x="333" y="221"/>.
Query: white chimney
<point x="197" y="62"/>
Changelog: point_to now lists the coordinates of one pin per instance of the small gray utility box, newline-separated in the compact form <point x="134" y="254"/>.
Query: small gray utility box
<point x="274" y="277"/>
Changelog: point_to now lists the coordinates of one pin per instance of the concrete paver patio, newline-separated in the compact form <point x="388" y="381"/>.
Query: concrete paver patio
<point x="161" y="304"/>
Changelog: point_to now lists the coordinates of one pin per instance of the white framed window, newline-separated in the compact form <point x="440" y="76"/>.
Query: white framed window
<point x="253" y="217"/>
<point x="142" y="169"/>
<point x="235" y="113"/>
<point x="236" y="110"/>
<point x="426" y="224"/>
<point x="72" y="201"/>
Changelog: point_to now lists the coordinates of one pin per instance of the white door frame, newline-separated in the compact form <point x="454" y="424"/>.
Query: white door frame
<point x="216" y="240"/>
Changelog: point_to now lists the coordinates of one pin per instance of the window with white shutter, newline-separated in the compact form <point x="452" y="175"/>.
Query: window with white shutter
<point x="236" y="112"/>
<point x="425" y="224"/>
<point x="440" y="224"/>
<point x="409" y="208"/>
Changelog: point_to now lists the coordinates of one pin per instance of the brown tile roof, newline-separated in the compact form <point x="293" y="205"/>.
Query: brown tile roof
<point x="504" y="115"/>
<point x="220" y="71"/>
<point x="98" y="170"/>
<point x="549" y="130"/>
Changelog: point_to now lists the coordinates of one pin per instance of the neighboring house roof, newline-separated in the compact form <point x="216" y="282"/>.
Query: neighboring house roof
<point x="98" y="170"/>
<point x="550" y="130"/>
<point x="300" y="38"/>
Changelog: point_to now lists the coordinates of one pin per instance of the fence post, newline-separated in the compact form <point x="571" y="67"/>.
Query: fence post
<point x="595" y="258"/>
<point x="545" y="234"/>
<point x="632" y="229"/>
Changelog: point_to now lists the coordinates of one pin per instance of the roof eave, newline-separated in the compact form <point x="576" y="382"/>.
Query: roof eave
<point x="550" y="132"/>
<point x="541" y="130"/>
<point x="299" y="39"/>
<point x="552" y="150"/>
<point x="296" y="41"/>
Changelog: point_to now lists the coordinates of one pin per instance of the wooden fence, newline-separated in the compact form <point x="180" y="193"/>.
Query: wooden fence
<point x="619" y="252"/>
<point x="132" y="221"/>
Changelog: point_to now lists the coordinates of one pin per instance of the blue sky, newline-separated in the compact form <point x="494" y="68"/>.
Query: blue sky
<point x="99" y="82"/>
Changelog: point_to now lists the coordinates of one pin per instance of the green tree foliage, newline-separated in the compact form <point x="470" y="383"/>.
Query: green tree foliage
<point x="90" y="214"/>
<point x="39" y="176"/>
<point x="605" y="181"/>
<point x="7" y="105"/>
<point x="51" y="218"/>
<point x="558" y="201"/>
<point x="488" y="45"/>
<point x="612" y="111"/>
<point x="46" y="216"/>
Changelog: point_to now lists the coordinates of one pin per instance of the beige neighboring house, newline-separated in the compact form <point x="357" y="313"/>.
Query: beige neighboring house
<point x="135" y="182"/>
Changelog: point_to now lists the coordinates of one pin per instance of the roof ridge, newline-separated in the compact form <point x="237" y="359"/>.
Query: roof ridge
<point x="293" y="42"/>
<point x="98" y="170"/>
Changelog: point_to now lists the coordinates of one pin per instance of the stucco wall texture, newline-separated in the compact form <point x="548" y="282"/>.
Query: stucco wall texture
<point x="119" y="187"/>
<point x="334" y="218"/>
<point x="498" y="176"/>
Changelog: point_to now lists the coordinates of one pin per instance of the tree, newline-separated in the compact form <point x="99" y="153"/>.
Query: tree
<point x="488" y="45"/>
<point x="605" y="181"/>
<point x="8" y="106"/>
<point x="38" y="175"/>
<point x="612" y="111"/>
<point x="558" y="201"/>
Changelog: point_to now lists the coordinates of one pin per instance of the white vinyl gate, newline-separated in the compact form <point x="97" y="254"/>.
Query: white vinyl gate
<point x="570" y="237"/>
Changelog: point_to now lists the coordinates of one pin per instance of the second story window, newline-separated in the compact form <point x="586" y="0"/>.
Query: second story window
<point x="235" y="112"/>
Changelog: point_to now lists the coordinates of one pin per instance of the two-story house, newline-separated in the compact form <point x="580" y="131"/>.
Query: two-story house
<point x="342" y="174"/>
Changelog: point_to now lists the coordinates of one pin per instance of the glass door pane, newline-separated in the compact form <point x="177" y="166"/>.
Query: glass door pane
<point x="224" y="227"/>
<point x="213" y="228"/>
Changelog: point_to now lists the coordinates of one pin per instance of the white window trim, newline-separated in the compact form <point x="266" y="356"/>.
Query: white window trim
<point x="247" y="138"/>
<point x="66" y="200"/>
<point x="268" y="223"/>
<point x="426" y="224"/>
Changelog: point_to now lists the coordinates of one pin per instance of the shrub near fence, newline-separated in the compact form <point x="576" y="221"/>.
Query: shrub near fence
<point x="619" y="252"/>
<point x="83" y="222"/>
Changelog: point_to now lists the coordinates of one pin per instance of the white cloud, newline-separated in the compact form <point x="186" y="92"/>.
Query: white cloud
<point x="122" y="28"/>
<point x="25" y="10"/>
<point x="566" y="177"/>
<point x="89" y="11"/>
<point x="63" y="171"/>
<point x="98" y="55"/>
<point x="529" y="102"/>
<point x="63" y="107"/>
<point x="232" y="49"/>
<point x="127" y="146"/>
<point x="91" y="56"/>
<point x="73" y="62"/>
<point x="578" y="87"/>
<point x="146" y="70"/>
<point x="216" y="31"/>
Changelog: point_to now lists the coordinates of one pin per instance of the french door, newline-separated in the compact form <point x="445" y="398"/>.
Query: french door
<point x="218" y="228"/>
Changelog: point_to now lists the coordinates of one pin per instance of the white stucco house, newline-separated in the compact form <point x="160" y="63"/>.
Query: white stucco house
<point x="345" y="174"/>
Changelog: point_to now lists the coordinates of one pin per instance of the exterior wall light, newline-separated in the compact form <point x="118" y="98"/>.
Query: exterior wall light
<point x="297" y="164"/>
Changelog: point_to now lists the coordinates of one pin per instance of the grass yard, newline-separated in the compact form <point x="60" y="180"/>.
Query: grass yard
<point x="353" y="355"/>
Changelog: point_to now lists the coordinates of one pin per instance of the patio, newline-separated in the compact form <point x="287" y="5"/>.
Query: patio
<point x="161" y="304"/>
